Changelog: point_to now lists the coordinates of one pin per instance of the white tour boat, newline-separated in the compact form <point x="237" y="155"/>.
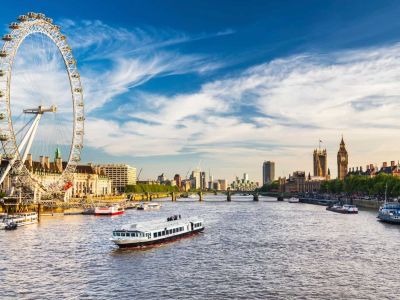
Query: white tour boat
<point x="156" y="232"/>
<point x="20" y="219"/>
<point x="109" y="210"/>
<point x="343" y="209"/>
<point x="293" y="200"/>
<point x="149" y="206"/>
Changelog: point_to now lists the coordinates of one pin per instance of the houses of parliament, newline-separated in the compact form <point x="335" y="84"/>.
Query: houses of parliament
<point x="320" y="159"/>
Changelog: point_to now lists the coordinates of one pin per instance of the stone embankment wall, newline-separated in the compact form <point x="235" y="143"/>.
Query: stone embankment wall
<point x="367" y="203"/>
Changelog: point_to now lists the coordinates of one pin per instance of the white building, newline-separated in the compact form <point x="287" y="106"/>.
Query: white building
<point x="120" y="174"/>
<point x="195" y="179"/>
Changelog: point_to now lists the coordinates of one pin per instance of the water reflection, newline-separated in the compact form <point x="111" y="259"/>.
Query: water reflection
<point x="264" y="249"/>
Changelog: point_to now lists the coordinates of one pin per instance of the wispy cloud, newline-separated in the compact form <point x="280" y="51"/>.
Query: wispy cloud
<point x="115" y="60"/>
<point x="291" y="103"/>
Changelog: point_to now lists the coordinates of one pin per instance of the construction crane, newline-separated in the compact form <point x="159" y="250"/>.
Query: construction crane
<point x="140" y="172"/>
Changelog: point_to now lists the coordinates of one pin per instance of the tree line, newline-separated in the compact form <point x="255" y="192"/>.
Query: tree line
<point x="364" y="185"/>
<point x="151" y="188"/>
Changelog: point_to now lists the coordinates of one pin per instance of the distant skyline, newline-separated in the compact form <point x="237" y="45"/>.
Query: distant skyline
<point x="226" y="85"/>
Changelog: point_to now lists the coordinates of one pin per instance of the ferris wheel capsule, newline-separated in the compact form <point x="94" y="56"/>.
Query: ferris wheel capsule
<point x="2" y="116"/>
<point x="31" y="15"/>
<point x="75" y="75"/>
<point x="4" y="137"/>
<point x="2" y="73"/>
<point x="49" y="20"/>
<point x="78" y="90"/>
<point x="8" y="156"/>
<point x="14" y="25"/>
<point x="3" y="53"/>
<point x="7" y="37"/>
<point x="1" y="94"/>
<point x="22" y="18"/>
<point x="40" y="16"/>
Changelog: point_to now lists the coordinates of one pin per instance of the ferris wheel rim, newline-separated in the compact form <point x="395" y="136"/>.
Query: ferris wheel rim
<point x="27" y="25"/>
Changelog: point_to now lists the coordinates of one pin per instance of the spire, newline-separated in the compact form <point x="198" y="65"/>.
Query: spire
<point x="57" y="153"/>
<point x="342" y="142"/>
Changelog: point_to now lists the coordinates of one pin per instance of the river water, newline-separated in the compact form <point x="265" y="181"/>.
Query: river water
<point x="249" y="250"/>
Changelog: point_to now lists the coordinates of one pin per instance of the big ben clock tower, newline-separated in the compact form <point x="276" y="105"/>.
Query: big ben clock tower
<point x="342" y="160"/>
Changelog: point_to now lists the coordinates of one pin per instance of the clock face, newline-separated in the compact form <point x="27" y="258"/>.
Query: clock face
<point x="343" y="159"/>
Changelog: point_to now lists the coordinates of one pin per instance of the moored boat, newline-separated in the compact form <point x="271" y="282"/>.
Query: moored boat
<point x="343" y="209"/>
<point x="11" y="226"/>
<point x="149" y="206"/>
<point x="390" y="213"/>
<point x="109" y="210"/>
<point x="20" y="219"/>
<point x="156" y="232"/>
<point x="293" y="200"/>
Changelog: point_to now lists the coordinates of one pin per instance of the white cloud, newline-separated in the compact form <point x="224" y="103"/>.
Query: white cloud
<point x="293" y="101"/>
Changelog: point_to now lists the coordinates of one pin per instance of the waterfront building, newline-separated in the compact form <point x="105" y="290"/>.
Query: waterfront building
<point x="268" y="172"/>
<point x="210" y="182"/>
<point x="299" y="183"/>
<point x="161" y="178"/>
<point x="372" y="170"/>
<point x="203" y="181"/>
<point x="195" y="179"/>
<point x="320" y="162"/>
<point x="216" y="186"/>
<point x="342" y="160"/>
<point x="120" y="174"/>
<point x="245" y="177"/>
<point x="243" y="184"/>
<point x="178" y="180"/>
<point x="223" y="184"/>
<point x="186" y="185"/>
<point x="87" y="180"/>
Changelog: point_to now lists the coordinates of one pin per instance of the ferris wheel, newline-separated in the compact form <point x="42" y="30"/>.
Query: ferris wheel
<point x="30" y="113"/>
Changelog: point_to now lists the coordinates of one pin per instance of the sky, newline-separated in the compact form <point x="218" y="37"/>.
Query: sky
<point x="225" y="85"/>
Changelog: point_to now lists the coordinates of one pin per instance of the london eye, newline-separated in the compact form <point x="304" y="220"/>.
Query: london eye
<point x="41" y="109"/>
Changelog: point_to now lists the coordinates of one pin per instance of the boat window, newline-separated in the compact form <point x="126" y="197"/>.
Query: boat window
<point x="118" y="234"/>
<point x="122" y="233"/>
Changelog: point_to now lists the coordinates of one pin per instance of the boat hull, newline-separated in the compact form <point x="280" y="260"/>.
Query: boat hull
<point x="341" y="211"/>
<point x="388" y="219"/>
<point x="159" y="241"/>
<point x="109" y="213"/>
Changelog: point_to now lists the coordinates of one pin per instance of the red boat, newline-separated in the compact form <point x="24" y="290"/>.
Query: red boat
<point x="109" y="210"/>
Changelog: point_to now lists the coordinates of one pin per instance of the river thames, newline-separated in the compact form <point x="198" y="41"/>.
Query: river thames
<point x="249" y="250"/>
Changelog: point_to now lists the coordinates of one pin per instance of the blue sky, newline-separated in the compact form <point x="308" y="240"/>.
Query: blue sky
<point x="225" y="85"/>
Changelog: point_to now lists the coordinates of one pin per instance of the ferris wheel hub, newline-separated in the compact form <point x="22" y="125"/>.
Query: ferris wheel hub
<point x="40" y="110"/>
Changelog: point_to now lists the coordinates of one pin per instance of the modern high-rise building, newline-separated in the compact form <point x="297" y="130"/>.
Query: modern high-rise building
<point x="246" y="177"/>
<point x="195" y="179"/>
<point x="320" y="163"/>
<point x="268" y="172"/>
<point x="342" y="160"/>
<point x="178" y="180"/>
<point x="120" y="174"/>
<point x="203" y="180"/>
